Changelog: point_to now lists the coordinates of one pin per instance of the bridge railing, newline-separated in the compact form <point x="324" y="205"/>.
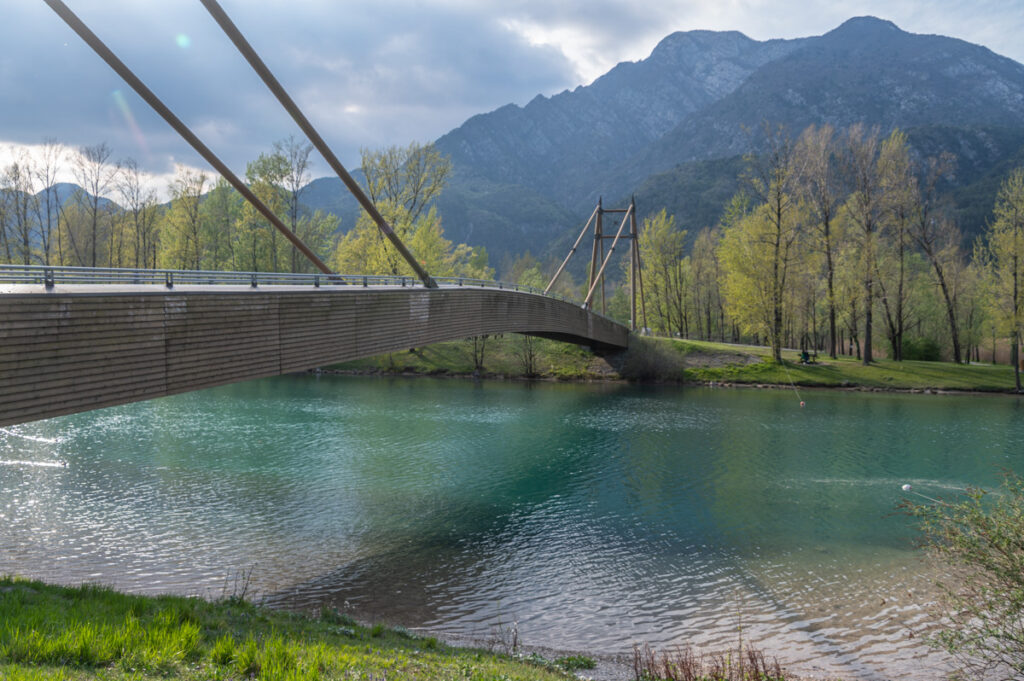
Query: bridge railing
<point x="53" y="276"/>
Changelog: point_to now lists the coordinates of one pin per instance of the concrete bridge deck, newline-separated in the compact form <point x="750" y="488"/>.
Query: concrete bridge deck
<point x="71" y="348"/>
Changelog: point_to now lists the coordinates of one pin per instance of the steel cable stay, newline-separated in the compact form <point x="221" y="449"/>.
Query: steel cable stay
<point x="105" y="53"/>
<point x="247" y="50"/>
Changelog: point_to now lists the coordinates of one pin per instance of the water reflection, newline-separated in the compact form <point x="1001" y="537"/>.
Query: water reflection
<point x="595" y="516"/>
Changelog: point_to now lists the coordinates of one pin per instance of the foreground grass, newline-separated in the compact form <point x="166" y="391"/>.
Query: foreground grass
<point x="90" y="632"/>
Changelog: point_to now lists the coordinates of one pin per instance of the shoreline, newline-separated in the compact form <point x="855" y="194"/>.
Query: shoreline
<point x="615" y="379"/>
<point x="672" y="361"/>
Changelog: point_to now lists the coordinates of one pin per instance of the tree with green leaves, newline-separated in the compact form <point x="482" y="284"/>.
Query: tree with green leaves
<point x="666" y="270"/>
<point x="864" y="207"/>
<point x="402" y="183"/>
<point x="820" y="186"/>
<point x="756" y="253"/>
<point x="758" y="249"/>
<point x="408" y="178"/>
<point x="898" y="205"/>
<point x="182" y="230"/>
<point x="938" y="237"/>
<point x="1006" y="245"/>
<point x="295" y="179"/>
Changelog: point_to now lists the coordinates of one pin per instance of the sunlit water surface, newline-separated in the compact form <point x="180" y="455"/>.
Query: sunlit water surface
<point x="593" y="516"/>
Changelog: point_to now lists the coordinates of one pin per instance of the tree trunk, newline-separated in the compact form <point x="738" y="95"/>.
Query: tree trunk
<point x="868" y="293"/>
<point x="950" y="313"/>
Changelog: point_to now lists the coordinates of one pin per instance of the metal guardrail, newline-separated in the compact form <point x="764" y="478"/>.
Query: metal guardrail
<point x="52" y="276"/>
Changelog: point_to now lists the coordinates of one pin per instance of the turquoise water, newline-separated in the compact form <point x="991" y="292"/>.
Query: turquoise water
<point x="593" y="516"/>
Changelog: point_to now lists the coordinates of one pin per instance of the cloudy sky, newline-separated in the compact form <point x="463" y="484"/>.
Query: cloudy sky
<point x="370" y="74"/>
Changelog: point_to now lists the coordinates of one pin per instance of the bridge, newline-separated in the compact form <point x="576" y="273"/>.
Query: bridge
<point x="74" y="339"/>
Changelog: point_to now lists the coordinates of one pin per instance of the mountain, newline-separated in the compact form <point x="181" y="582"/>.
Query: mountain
<point x="553" y="144"/>
<point x="867" y="70"/>
<point x="672" y="128"/>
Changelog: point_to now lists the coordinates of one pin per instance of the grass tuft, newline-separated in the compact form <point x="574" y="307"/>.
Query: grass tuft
<point x="91" y="632"/>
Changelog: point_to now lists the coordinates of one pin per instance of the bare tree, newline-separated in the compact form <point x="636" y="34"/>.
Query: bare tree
<point x="95" y="175"/>
<point x="477" y="347"/>
<point x="5" y="242"/>
<point x="17" y="182"/>
<point x="49" y="206"/>
<point x="139" y="207"/>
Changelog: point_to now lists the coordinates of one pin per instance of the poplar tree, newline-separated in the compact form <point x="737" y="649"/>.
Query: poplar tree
<point x="864" y="207"/>
<point x="1006" y="244"/>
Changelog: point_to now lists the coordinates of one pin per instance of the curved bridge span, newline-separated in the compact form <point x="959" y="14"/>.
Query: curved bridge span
<point x="72" y="348"/>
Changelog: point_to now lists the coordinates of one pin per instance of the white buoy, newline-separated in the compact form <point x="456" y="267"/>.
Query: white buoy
<point x="906" y="488"/>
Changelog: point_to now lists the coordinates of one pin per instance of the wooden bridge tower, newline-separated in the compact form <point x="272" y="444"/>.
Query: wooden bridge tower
<point x="599" y="260"/>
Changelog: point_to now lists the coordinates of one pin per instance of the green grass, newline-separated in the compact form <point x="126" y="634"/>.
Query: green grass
<point x="558" y="361"/>
<point x="674" y="360"/>
<point x="90" y="632"/>
<point x="841" y="372"/>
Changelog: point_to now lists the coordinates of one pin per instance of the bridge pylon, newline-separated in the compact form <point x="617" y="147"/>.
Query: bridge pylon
<point x="599" y="260"/>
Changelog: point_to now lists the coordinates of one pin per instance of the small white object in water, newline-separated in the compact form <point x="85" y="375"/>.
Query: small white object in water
<point x="906" y="488"/>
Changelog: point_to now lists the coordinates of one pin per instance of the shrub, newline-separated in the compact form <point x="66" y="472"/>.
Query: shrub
<point x="924" y="349"/>
<point x="982" y="539"/>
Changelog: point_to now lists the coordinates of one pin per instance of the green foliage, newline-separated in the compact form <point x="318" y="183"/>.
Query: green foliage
<point x="402" y="183"/>
<point x="666" y="272"/>
<point x="923" y="349"/>
<point x="980" y="540"/>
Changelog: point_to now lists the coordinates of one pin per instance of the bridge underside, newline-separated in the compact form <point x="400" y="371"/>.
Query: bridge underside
<point x="79" y="348"/>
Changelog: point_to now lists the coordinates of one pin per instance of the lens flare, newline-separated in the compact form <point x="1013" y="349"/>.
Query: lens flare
<point x="183" y="41"/>
<point x="129" y="119"/>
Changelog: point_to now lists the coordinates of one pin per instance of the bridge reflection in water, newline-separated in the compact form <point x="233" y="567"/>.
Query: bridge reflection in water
<point x="76" y="339"/>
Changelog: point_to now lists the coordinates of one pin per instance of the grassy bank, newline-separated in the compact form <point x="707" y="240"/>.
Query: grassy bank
<point x="753" y="365"/>
<point x="51" y="632"/>
<point x="504" y="356"/>
<point x="674" y="360"/>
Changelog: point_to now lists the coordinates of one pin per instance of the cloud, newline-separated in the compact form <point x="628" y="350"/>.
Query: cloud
<point x="366" y="75"/>
<point x="372" y="74"/>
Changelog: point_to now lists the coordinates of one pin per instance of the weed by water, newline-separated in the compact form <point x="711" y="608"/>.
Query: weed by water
<point x="571" y="663"/>
<point x="333" y="616"/>
<point x="684" y="664"/>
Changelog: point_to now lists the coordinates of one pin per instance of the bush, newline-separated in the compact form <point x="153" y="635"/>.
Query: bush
<point x="924" y="349"/>
<point x="982" y="540"/>
<point x="648" y="359"/>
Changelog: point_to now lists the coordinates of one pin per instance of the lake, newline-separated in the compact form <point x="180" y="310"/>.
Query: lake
<point x="592" y="516"/>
